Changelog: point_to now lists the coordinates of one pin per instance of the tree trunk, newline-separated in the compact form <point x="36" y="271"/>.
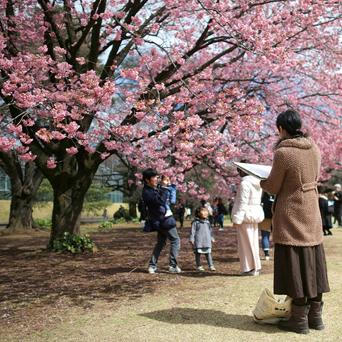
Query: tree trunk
<point x="25" y="181"/>
<point x="70" y="181"/>
<point x="132" y="209"/>
<point x="67" y="206"/>
<point x="20" y="217"/>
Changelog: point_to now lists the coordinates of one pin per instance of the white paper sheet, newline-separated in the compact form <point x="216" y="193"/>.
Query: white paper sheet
<point x="259" y="171"/>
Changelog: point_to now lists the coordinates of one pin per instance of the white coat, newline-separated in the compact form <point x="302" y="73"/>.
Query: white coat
<point x="247" y="205"/>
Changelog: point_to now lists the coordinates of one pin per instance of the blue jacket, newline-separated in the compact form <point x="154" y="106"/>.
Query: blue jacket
<point x="171" y="195"/>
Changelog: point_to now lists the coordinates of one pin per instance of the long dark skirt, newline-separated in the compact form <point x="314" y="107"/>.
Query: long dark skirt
<point x="300" y="271"/>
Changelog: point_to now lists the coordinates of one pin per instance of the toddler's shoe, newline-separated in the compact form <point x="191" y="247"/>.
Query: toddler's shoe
<point x="200" y="269"/>
<point x="175" y="269"/>
<point x="152" y="269"/>
<point x="212" y="268"/>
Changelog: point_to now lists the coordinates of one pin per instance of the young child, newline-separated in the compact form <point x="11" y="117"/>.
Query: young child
<point x="171" y="194"/>
<point x="201" y="238"/>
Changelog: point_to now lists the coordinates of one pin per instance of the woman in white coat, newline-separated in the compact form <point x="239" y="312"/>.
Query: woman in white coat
<point x="246" y="214"/>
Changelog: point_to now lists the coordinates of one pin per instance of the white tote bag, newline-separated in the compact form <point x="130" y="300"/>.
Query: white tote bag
<point x="270" y="310"/>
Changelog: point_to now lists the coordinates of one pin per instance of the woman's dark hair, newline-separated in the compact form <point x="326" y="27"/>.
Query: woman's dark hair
<point x="241" y="172"/>
<point x="291" y="122"/>
<point x="149" y="173"/>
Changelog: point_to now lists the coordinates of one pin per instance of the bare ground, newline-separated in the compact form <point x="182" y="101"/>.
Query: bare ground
<point x="109" y="296"/>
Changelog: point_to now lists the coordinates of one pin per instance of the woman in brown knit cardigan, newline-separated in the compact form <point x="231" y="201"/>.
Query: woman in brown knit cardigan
<point x="299" y="260"/>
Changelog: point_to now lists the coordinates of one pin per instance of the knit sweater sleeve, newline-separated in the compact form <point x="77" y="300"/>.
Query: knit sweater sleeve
<point x="192" y="232"/>
<point x="275" y="180"/>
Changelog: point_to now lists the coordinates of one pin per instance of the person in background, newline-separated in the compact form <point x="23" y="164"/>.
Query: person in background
<point x="187" y="213"/>
<point x="246" y="214"/>
<point x="215" y="212"/>
<point x="155" y="197"/>
<point x="338" y="204"/>
<point x="265" y="226"/>
<point x="105" y="214"/>
<point x="180" y="209"/>
<point x="221" y="211"/>
<point x="201" y="238"/>
<point x="299" y="259"/>
<point x="324" y="209"/>
<point x="331" y="206"/>
<point x="230" y="207"/>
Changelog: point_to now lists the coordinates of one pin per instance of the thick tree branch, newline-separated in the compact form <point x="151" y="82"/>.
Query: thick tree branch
<point x="85" y="30"/>
<point x="49" y="18"/>
<point x="95" y="41"/>
<point x="115" y="58"/>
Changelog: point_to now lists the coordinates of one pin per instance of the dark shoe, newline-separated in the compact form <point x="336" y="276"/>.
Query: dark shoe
<point x="315" y="315"/>
<point x="298" y="321"/>
<point x="252" y="273"/>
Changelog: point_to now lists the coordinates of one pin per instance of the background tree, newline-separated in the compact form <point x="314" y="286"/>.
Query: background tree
<point x="25" y="179"/>
<point x="209" y="78"/>
<point x="96" y="199"/>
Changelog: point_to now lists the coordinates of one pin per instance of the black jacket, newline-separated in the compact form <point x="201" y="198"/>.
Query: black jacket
<point x="221" y="209"/>
<point x="155" y="200"/>
<point x="267" y="202"/>
<point x="326" y="216"/>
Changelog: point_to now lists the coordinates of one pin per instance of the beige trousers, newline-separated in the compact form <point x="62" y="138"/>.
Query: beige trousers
<point x="248" y="247"/>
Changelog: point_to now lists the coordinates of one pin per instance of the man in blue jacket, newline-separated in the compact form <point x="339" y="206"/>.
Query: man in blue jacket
<point x="155" y="197"/>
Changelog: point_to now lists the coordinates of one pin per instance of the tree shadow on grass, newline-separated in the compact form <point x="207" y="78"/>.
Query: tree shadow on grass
<point x="116" y="270"/>
<point x="32" y="277"/>
<point x="209" y="317"/>
<point x="196" y="274"/>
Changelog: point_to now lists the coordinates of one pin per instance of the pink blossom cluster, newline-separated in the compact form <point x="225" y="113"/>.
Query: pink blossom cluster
<point x="175" y="87"/>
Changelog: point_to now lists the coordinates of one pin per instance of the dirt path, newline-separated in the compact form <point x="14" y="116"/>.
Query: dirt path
<point x="110" y="297"/>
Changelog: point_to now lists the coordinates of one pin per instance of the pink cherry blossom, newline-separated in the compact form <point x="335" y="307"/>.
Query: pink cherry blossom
<point x="51" y="163"/>
<point x="27" y="157"/>
<point x="44" y="134"/>
<point x="186" y="89"/>
<point x="71" y="150"/>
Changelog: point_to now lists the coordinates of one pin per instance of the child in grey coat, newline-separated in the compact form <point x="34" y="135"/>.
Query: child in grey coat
<point x="201" y="238"/>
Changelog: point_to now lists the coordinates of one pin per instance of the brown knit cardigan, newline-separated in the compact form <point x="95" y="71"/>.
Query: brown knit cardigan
<point x="293" y="178"/>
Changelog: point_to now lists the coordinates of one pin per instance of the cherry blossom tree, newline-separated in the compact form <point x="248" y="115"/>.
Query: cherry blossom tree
<point x="209" y="78"/>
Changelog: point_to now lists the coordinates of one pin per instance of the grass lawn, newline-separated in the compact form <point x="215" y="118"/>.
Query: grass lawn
<point x="109" y="296"/>
<point x="45" y="211"/>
